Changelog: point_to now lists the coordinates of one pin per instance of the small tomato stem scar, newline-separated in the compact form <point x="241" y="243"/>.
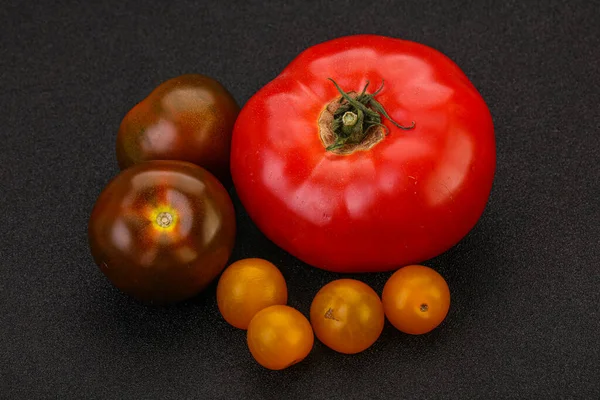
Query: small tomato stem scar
<point x="164" y="219"/>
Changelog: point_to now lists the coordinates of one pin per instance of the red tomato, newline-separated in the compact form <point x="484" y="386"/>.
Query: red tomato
<point x="350" y="198"/>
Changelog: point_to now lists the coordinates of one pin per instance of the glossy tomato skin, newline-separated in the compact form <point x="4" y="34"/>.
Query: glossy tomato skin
<point x="248" y="286"/>
<point x="416" y="299"/>
<point x="279" y="336"/>
<point x="409" y="198"/>
<point x="161" y="231"/>
<point x="188" y="118"/>
<point x="347" y="316"/>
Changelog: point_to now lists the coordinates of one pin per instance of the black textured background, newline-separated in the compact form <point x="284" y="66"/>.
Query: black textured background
<point x="524" y="320"/>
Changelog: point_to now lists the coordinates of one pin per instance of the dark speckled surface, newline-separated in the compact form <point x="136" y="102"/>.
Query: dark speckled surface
<point x="525" y="282"/>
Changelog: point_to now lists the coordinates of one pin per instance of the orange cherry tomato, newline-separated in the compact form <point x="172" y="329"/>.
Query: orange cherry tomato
<point x="416" y="299"/>
<point x="279" y="337"/>
<point x="347" y="316"/>
<point x="246" y="287"/>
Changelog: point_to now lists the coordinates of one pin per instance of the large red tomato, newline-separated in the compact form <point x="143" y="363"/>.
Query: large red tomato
<point x="325" y="181"/>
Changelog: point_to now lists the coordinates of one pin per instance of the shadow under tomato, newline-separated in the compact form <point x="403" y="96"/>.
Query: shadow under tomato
<point x="474" y="287"/>
<point x="125" y="326"/>
<point x="126" y="322"/>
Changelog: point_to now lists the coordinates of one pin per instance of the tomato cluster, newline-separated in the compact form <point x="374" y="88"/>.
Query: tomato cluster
<point x="164" y="228"/>
<point x="366" y="154"/>
<point x="346" y="314"/>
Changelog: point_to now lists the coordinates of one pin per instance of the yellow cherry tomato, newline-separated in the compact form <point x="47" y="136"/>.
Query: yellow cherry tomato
<point x="347" y="316"/>
<point x="416" y="299"/>
<point x="246" y="287"/>
<point x="279" y="337"/>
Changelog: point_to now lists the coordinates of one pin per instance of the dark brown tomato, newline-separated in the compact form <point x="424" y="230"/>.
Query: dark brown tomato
<point x="188" y="118"/>
<point x="161" y="231"/>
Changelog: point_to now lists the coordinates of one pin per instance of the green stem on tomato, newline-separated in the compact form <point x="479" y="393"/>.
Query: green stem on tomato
<point x="353" y="119"/>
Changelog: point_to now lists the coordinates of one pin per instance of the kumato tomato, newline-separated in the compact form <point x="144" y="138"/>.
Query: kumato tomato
<point x="416" y="299"/>
<point x="347" y="316"/>
<point x="188" y="118"/>
<point x="279" y="337"/>
<point x="246" y="287"/>
<point x="161" y="231"/>
<point x="365" y="154"/>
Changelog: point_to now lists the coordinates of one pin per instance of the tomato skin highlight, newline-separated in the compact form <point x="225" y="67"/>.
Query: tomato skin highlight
<point x="161" y="231"/>
<point x="416" y="299"/>
<point x="409" y="198"/>
<point x="188" y="118"/>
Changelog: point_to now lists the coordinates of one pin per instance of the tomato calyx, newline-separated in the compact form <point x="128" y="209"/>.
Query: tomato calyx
<point x="355" y="121"/>
<point x="329" y="315"/>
